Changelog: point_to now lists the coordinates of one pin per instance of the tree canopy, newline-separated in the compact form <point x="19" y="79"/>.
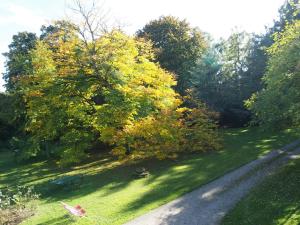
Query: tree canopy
<point x="277" y="105"/>
<point x="227" y="74"/>
<point x="106" y="90"/>
<point x="18" y="60"/>
<point x="177" y="46"/>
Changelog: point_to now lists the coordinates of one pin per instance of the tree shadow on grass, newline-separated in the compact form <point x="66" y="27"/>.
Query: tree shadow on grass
<point x="29" y="174"/>
<point x="193" y="174"/>
<point x="168" y="180"/>
<point x="110" y="180"/>
<point x="62" y="220"/>
<point x="206" y="168"/>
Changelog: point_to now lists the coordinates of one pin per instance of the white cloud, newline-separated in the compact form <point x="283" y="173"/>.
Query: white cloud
<point x="20" y="16"/>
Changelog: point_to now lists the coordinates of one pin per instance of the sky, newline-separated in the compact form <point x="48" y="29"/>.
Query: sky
<point x="217" y="17"/>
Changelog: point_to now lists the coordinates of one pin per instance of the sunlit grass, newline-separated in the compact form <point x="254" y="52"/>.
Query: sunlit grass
<point x="275" y="201"/>
<point x="112" y="195"/>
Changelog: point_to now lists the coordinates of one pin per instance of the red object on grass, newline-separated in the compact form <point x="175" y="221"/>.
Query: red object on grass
<point x="76" y="211"/>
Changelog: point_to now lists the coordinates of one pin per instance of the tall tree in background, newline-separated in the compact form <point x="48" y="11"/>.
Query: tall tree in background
<point x="229" y="76"/>
<point x="205" y="77"/>
<point x="277" y="105"/>
<point x="221" y="79"/>
<point x="234" y="52"/>
<point x="177" y="46"/>
<point x="18" y="60"/>
<point x="288" y="13"/>
<point x="18" y="64"/>
<point x="256" y="60"/>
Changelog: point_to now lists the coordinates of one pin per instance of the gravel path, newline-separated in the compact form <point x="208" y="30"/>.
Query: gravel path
<point x="208" y="204"/>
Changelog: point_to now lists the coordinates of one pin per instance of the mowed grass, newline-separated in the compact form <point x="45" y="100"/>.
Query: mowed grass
<point x="275" y="201"/>
<point x="111" y="195"/>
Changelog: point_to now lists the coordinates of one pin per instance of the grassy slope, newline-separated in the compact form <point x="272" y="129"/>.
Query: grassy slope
<point x="275" y="201"/>
<point x="112" y="196"/>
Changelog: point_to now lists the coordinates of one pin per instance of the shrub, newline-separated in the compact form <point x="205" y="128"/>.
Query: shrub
<point x="16" y="205"/>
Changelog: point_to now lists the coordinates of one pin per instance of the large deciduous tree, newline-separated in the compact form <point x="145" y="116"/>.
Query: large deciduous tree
<point x="277" y="105"/>
<point x="18" y="64"/>
<point x="177" y="46"/>
<point x="106" y="89"/>
<point x="230" y="72"/>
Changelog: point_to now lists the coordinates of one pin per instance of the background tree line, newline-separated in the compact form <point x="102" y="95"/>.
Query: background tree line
<point x="79" y="87"/>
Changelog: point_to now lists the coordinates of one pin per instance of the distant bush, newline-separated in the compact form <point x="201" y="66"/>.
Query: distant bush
<point x="16" y="205"/>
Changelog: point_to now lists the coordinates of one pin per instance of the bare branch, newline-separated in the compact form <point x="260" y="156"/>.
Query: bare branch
<point x="93" y="19"/>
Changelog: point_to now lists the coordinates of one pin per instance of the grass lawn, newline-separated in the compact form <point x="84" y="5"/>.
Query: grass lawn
<point x="275" y="201"/>
<point x="111" y="195"/>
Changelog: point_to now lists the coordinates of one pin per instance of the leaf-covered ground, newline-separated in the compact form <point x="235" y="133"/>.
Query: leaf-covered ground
<point x="110" y="193"/>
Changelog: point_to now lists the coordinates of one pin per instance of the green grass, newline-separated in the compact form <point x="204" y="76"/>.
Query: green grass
<point x="111" y="195"/>
<point x="275" y="201"/>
